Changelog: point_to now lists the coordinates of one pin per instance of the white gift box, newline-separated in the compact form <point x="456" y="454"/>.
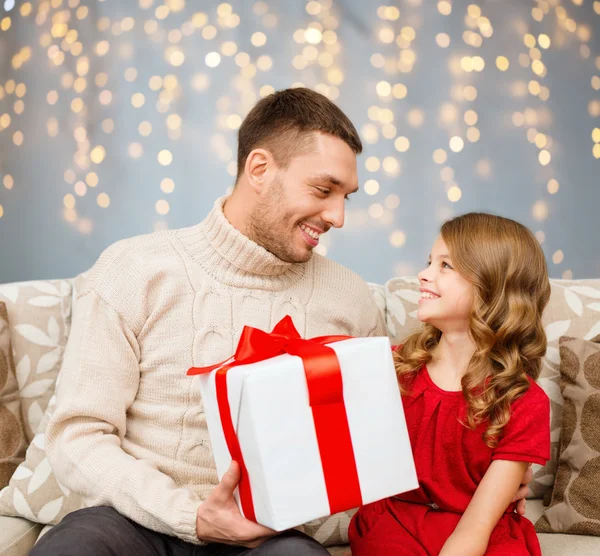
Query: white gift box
<point x="271" y="414"/>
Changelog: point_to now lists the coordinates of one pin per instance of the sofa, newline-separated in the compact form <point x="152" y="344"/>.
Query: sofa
<point x="39" y="317"/>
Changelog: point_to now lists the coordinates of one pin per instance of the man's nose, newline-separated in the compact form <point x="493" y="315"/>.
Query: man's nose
<point x="335" y="213"/>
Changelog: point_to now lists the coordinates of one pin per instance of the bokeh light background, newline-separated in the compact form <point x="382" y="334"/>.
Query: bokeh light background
<point x="119" y="117"/>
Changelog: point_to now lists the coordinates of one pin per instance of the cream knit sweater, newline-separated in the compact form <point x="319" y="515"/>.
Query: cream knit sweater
<point x="129" y="430"/>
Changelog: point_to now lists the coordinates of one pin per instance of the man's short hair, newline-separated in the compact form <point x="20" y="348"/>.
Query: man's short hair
<point x="283" y="123"/>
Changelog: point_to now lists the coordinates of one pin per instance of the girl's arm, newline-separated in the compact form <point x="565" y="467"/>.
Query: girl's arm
<point x="492" y="497"/>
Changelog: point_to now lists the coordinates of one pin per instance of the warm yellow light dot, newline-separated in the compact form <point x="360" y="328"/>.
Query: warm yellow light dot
<point x="415" y="117"/>
<point x="544" y="157"/>
<point x="391" y="165"/>
<point x="473" y="134"/>
<point x="162" y="12"/>
<point x="165" y="157"/>
<point x="541" y="140"/>
<point x="397" y="238"/>
<point x="447" y="173"/>
<point x="502" y="63"/>
<point x="386" y="35"/>
<point x="52" y="127"/>
<point x="258" y="39"/>
<point x="478" y="63"/>
<point x="596" y="150"/>
<point x="442" y="40"/>
<point x="5" y="24"/>
<point x="266" y="90"/>
<point x="392" y="201"/>
<point x="408" y="33"/>
<point x="19" y="107"/>
<point x="80" y="189"/>
<point x="310" y="52"/>
<point x="325" y="59"/>
<point x="558" y="257"/>
<point x="229" y="48"/>
<point x="444" y="7"/>
<point x="213" y="59"/>
<point x="102" y="48"/>
<point x="470" y="93"/>
<point x="313" y="8"/>
<point x="105" y="97"/>
<point x="162" y="207"/>
<point x="108" y="125"/>
<point x="209" y="32"/>
<point x="440" y="156"/>
<point x="8" y="181"/>
<point x="234" y="121"/>
<point x="596" y="135"/>
<point x="97" y="155"/>
<point x="103" y="200"/>
<point x="200" y="82"/>
<point x="372" y="164"/>
<point x="370" y="134"/>
<point x="175" y="57"/>
<point x="371" y="187"/>
<point x="167" y="185"/>
<point x="383" y="88"/>
<point x="529" y="40"/>
<point x="5" y="120"/>
<point x="335" y="76"/>
<point x="540" y="211"/>
<point x="402" y="144"/>
<point x="553" y="186"/>
<point x="264" y="63"/>
<point x="399" y="91"/>
<point x="389" y="131"/>
<point x="199" y="20"/>
<point x="313" y="36"/>
<point x="138" y="100"/>
<point x="376" y="210"/>
<point x="26" y="9"/>
<point x="594" y="108"/>
<point x="454" y="194"/>
<point x="135" y="150"/>
<point x="386" y="116"/>
<point x="18" y="138"/>
<point x="69" y="201"/>
<point x="92" y="179"/>
<point x="534" y="88"/>
<point x="456" y="144"/>
<point x="466" y="63"/>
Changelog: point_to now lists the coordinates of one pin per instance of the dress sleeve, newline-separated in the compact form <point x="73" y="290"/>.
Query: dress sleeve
<point x="526" y="437"/>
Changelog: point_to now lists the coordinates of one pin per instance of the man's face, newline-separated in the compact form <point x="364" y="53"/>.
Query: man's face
<point x="305" y="200"/>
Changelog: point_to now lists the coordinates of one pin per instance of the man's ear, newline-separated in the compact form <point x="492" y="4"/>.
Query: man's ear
<point x="260" y="169"/>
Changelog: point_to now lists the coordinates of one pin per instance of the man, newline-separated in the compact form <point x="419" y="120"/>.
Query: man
<point x="129" y="432"/>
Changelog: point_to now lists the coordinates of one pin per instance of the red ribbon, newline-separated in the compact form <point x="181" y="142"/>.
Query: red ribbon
<point x="325" y="391"/>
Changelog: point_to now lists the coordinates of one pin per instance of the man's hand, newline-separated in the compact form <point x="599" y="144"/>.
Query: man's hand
<point x="220" y="520"/>
<point x="523" y="491"/>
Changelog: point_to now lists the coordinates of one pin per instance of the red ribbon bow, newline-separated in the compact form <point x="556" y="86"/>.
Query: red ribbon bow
<point x="325" y="391"/>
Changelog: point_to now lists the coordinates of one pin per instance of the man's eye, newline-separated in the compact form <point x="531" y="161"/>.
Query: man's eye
<point x="323" y="191"/>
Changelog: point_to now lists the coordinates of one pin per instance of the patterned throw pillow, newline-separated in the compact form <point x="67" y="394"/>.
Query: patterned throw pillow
<point x="575" y="502"/>
<point x="12" y="434"/>
<point x="40" y="315"/>
<point x="574" y="309"/>
<point x="33" y="491"/>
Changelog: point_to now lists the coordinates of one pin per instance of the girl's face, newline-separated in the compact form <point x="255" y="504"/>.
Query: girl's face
<point x="446" y="297"/>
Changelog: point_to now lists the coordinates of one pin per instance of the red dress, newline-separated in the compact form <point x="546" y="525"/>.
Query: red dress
<point x="451" y="460"/>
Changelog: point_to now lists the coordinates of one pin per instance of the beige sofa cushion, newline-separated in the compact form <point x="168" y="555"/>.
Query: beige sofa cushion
<point x="574" y="309"/>
<point x="12" y="433"/>
<point x="17" y="536"/>
<point x="575" y="504"/>
<point x="39" y="314"/>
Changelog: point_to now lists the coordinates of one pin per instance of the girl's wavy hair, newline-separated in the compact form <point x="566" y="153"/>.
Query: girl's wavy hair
<point x="505" y="264"/>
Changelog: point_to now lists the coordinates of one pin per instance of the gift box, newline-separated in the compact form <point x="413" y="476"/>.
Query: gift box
<point x="316" y="425"/>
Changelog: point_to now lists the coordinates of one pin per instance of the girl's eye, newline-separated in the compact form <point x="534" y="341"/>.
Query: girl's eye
<point x="446" y="265"/>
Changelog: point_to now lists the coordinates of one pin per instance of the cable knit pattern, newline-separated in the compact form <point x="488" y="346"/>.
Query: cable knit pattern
<point x="129" y="429"/>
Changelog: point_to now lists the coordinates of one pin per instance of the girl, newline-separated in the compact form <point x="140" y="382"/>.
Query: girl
<point x="475" y="415"/>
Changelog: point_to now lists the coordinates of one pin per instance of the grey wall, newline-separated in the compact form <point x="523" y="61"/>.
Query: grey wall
<point x="52" y="224"/>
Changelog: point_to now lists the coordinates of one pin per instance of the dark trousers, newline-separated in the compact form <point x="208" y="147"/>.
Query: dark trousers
<point x="102" y="531"/>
